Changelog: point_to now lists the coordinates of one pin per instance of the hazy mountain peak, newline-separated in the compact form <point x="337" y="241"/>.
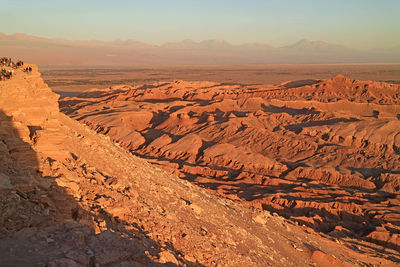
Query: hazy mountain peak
<point x="303" y="41"/>
<point x="23" y="36"/>
<point x="184" y="44"/>
<point x="215" y="51"/>
<point x="188" y="41"/>
<point x="306" y="44"/>
<point x="215" y="44"/>
<point x="190" y="44"/>
<point x="130" y="42"/>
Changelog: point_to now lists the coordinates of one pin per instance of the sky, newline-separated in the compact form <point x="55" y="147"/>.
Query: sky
<point x="362" y="24"/>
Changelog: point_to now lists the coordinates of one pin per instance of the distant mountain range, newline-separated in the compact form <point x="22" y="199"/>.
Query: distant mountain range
<point x="46" y="51"/>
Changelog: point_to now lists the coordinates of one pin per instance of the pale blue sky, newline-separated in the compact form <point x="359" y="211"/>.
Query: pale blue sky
<point x="354" y="23"/>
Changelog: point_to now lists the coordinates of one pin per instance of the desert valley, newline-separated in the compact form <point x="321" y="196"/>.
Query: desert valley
<point x="200" y="133"/>
<point x="322" y="153"/>
<point x="200" y="173"/>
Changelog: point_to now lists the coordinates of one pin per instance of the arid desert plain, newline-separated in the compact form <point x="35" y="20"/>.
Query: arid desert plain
<point x="69" y="80"/>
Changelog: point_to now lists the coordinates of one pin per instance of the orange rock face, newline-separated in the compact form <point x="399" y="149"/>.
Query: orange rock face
<point x="325" y="154"/>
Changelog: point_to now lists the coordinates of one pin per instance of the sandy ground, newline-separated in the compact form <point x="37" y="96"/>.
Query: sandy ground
<point x="69" y="80"/>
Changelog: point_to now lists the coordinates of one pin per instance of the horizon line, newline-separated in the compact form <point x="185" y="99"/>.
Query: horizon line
<point x="302" y="40"/>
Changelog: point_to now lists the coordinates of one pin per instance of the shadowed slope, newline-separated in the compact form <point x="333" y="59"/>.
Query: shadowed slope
<point x="43" y="221"/>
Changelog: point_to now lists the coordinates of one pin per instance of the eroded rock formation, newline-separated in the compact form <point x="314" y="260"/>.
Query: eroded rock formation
<point x="323" y="153"/>
<point x="71" y="197"/>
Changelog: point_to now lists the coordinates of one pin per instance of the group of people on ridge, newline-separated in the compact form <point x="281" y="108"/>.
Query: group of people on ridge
<point x="6" y="63"/>
<point x="6" y="74"/>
